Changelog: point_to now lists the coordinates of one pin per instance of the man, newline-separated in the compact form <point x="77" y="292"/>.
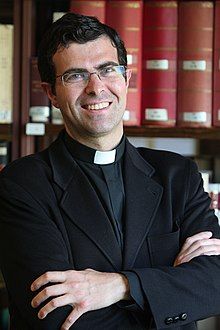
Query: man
<point x="96" y="234"/>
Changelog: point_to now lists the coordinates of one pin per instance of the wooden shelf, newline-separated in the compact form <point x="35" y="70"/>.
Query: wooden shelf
<point x="6" y="132"/>
<point x="173" y="132"/>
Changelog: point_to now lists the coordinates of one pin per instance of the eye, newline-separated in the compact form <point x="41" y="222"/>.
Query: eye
<point x="107" y="71"/>
<point x="75" y="76"/>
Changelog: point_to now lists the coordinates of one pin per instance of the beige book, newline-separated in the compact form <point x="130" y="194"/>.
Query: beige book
<point x="6" y="72"/>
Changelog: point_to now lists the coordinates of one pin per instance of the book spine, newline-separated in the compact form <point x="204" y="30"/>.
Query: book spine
<point x="56" y="116"/>
<point x="159" y="63"/>
<point x="39" y="102"/>
<point x="6" y="72"/>
<point x="4" y="153"/>
<point x="216" y="66"/>
<point x="89" y="8"/>
<point x="126" y="18"/>
<point x="195" y="51"/>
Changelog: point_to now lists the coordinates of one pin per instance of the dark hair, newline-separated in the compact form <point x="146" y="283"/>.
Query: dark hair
<point x="73" y="28"/>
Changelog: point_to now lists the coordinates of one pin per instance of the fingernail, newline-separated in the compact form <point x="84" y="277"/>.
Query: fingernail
<point x="41" y="315"/>
<point x="33" y="304"/>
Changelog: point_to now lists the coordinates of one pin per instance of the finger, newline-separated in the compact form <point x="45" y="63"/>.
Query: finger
<point x="200" y="236"/>
<point x="205" y="249"/>
<point x="55" y="303"/>
<point x="73" y="317"/>
<point x="190" y="243"/>
<point x="202" y="246"/>
<point x="50" y="291"/>
<point x="48" y="277"/>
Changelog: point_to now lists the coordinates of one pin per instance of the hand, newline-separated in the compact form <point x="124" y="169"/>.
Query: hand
<point x="197" y="245"/>
<point x="85" y="291"/>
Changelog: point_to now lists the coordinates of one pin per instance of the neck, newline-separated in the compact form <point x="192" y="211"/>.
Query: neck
<point x="102" y="143"/>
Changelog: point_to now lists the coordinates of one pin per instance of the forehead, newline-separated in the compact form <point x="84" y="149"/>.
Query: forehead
<point x="87" y="55"/>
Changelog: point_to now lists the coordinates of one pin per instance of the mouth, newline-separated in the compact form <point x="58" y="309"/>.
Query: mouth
<point x="96" y="106"/>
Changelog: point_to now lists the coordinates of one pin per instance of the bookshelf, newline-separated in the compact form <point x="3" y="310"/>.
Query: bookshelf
<point x="144" y="131"/>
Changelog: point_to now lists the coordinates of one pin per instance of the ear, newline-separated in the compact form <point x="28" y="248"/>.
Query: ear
<point x="128" y="76"/>
<point x="48" y="90"/>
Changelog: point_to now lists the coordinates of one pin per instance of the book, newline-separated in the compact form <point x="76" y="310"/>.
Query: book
<point x="159" y="84"/>
<point x="89" y="8"/>
<point x="4" y="153"/>
<point x="195" y="51"/>
<point x="214" y="193"/>
<point x="57" y="15"/>
<point x="39" y="102"/>
<point x="129" y="27"/>
<point x="216" y="67"/>
<point x="6" y="72"/>
<point x="56" y="116"/>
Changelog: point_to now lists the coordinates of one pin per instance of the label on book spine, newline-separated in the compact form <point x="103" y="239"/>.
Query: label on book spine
<point x="132" y="59"/>
<point x="3" y="151"/>
<point x="35" y="129"/>
<point x="126" y="115"/>
<point x="156" y="114"/>
<point x="157" y="64"/>
<point x="195" y="117"/>
<point x="194" y="65"/>
<point x="39" y="113"/>
<point x="218" y="114"/>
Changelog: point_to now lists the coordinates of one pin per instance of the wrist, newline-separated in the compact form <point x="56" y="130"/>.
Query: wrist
<point x="124" y="287"/>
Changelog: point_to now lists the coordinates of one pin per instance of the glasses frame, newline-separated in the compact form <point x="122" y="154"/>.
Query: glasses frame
<point x="61" y="76"/>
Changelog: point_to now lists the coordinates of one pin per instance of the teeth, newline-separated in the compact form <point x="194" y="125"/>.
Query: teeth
<point x="97" y="106"/>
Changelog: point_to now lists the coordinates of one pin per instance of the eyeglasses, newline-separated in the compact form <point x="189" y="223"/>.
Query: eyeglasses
<point x="106" y="74"/>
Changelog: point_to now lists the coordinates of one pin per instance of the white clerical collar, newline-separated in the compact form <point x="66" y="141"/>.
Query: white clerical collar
<point x="104" y="157"/>
<point x="89" y="155"/>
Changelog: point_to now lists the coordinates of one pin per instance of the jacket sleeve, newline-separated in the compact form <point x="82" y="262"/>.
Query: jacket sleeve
<point x="191" y="291"/>
<point x="30" y="245"/>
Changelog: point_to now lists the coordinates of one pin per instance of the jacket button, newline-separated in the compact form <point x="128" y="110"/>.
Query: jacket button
<point x="176" y="319"/>
<point x="168" y="320"/>
<point x="183" y="316"/>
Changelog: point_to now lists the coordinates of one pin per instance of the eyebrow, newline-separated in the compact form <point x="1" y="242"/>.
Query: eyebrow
<point x="100" y="66"/>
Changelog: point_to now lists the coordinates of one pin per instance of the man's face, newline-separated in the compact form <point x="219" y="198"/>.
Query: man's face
<point x="96" y="108"/>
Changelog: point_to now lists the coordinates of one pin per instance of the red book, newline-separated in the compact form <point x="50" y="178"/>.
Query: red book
<point x="159" y="63"/>
<point x="216" y="73"/>
<point x="195" y="34"/>
<point x="89" y="8"/>
<point x="39" y="102"/>
<point x="126" y="18"/>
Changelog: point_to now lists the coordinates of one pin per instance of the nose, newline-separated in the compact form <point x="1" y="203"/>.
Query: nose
<point x="94" y="86"/>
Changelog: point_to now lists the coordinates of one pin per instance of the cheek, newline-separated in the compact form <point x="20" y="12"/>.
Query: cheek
<point x="119" y="90"/>
<point x="67" y="98"/>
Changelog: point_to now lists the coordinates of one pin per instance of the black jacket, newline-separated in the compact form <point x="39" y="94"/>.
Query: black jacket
<point x="52" y="219"/>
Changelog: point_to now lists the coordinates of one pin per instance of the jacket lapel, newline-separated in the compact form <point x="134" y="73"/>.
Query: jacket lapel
<point x="82" y="205"/>
<point x="143" y="196"/>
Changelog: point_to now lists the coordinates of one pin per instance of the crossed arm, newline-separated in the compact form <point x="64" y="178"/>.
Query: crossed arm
<point x="89" y="290"/>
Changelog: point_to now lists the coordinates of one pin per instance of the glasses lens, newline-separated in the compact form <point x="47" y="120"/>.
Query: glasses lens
<point x="112" y="72"/>
<point x="75" y="77"/>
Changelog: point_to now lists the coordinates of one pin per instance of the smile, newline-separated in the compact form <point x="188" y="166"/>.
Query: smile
<point x="97" y="106"/>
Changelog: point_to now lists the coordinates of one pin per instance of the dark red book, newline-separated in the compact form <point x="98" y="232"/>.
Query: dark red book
<point x="216" y="67"/>
<point x="39" y="102"/>
<point x="159" y="84"/>
<point x="89" y="8"/>
<point x="195" y="59"/>
<point x="126" y="17"/>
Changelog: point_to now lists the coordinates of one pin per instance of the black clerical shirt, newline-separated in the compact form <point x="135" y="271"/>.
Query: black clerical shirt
<point x="105" y="172"/>
<point x="105" y="175"/>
